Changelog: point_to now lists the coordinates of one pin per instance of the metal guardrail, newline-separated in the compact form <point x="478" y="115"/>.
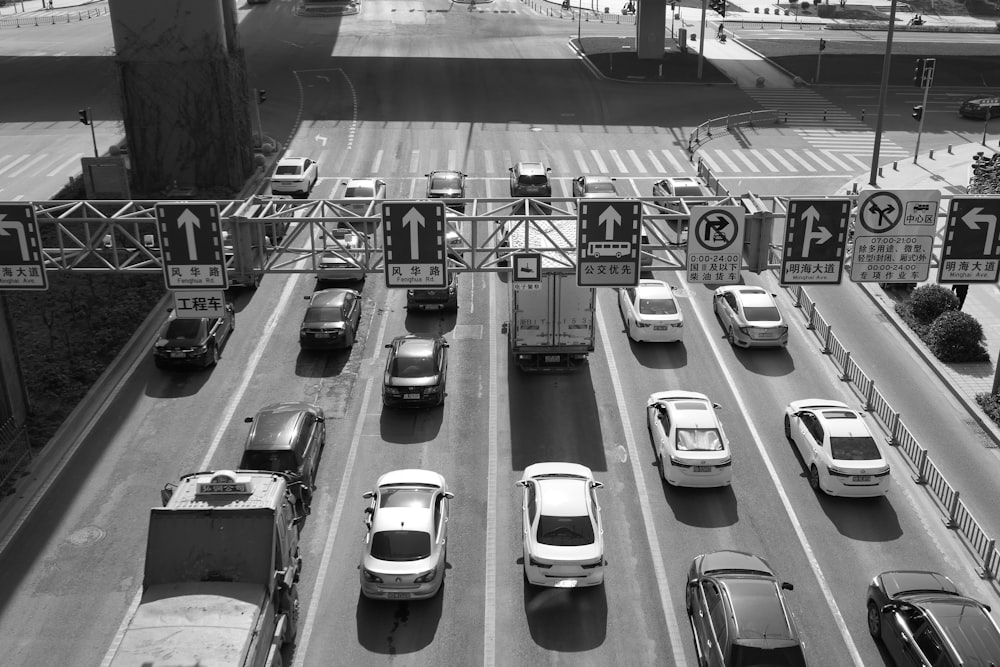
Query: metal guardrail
<point x="956" y="514"/>
<point x="725" y="124"/>
<point x="14" y="449"/>
<point x="36" y="20"/>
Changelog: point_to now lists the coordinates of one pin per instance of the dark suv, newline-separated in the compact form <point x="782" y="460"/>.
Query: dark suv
<point x="288" y="438"/>
<point x="438" y="298"/>
<point x="530" y="179"/>
<point x="922" y="619"/>
<point x="738" y="613"/>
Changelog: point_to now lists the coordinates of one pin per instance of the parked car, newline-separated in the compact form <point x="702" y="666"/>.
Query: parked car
<point x="448" y="184"/>
<point x="331" y="321"/>
<point x="530" y="179"/>
<point x="750" y="316"/>
<point x="651" y="313"/>
<point x="439" y="298"/>
<point x="339" y="262"/>
<point x="980" y="107"/>
<point x="922" y="619"/>
<point x="595" y="187"/>
<point x="416" y="371"/>
<point x="738" y="613"/>
<point x="562" y="532"/>
<point x="193" y="341"/>
<point x="691" y="446"/>
<point x="287" y="438"/>
<point x="406" y="546"/>
<point x="838" y="450"/>
<point x="364" y="196"/>
<point x="295" y="176"/>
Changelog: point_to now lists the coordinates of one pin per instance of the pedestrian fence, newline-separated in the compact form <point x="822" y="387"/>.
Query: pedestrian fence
<point x="724" y="124"/>
<point x="52" y="19"/>
<point x="14" y="450"/>
<point x="956" y="515"/>
<point x="577" y="13"/>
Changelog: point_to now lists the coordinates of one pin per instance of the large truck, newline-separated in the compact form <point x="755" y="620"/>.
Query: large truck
<point x="221" y="574"/>
<point x="552" y="320"/>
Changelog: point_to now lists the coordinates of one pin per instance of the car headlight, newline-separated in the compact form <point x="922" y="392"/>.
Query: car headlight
<point x="432" y="390"/>
<point x="425" y="577"/>
<point x="371" y="577"/>
<point x="201" y="349"/>
<point x="392" y="391"/>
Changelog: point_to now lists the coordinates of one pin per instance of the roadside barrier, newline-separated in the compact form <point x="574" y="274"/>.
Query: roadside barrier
<point x="15" y="449"/>
<point x="956" y="515"/>
<point x="723" y="124"/>
<point x="52" y="19"/>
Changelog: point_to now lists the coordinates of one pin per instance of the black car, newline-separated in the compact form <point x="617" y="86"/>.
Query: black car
<point x="738" y="613"/>
<point x="193" y="341"/>
<point x="287" y="438"/>
<point x="979" y="107"/>
<point x="438" y="298"/>
<point x="449" y="184"/>
<point x="922" y="619"/>
<point x="331" y="320"/>
<point x="415" y="371"/>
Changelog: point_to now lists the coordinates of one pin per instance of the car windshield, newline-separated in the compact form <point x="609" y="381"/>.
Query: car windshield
<point x="360" y="191"/>
<point x="324" y="314"/>
<point x="273" y="461"/>
<point x="288" y="170"/>
<point x="565" y="531"/>
<point x="688" y="191"/>
<point x="445" y="182"/>
<point x="761" y="314"/>
<point x="699" y="440"/>
<point x="412" y="367"/>
<point x="401" y="545"/>
<point x="779" y="656"/>
<point x="405" y="497"/>
<point x="854" y="448"/>
<point x="601" y="187"/>
<point x="538" y="179"/>
<point x="657" y="306"/>
<point x="183" y="328"/>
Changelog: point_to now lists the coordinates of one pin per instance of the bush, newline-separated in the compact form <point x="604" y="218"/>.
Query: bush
<point x="990" y="403"/>
<point x="804" y="4"/>
<point x="927" y="302"/>
<point x="906" y="313"/>
<point x="957" y="336"/>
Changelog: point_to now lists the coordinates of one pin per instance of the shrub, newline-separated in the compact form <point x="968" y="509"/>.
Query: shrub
<point x="906" y="313"/>
<point x="990" y="403"/>
<point x="927" y="302"/>
<point x="957" y="336"/>
<point x="804" y="4"/>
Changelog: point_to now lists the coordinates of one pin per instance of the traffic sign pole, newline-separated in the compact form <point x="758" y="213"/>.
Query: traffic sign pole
<point x="927" y="88"/>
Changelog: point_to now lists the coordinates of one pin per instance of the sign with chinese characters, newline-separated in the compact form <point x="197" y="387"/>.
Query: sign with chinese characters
<point x="894" y="235"/>
<point x="195" y="304"/>
<point x="21" y="263"/>
<point x="971" y="251"/>
<point x="191" y="245"/>
<point x="413" y="235"/>
<point x="815" y="238"/>
<point x="609" y="243"/>
<point x="715" y="244"/>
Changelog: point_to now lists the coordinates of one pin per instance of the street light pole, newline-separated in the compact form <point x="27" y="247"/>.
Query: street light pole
<point x="579" y="19"/>
<point x="872" y="180"/>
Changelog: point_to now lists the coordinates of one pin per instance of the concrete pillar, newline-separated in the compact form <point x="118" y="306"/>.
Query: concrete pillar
<point x="650" y="23"/>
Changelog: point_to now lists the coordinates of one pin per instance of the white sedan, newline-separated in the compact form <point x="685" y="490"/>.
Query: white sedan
<point x="750" y="316"/>
<point x="294" y="176"/>
<point x="839" y="452"/>
<point x="651" y="313"/>
<point x="691" y="447"/>
<point x="562" y="532"/>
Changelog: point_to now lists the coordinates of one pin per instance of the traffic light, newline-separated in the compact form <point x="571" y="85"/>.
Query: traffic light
<point x="84" y="116"/>
<point x="923" y="72"/>
<point x="822" y="44"/>
<point x="918" y="73"/>
<point x="918" y="112"/>
<point x="261" y="96"/>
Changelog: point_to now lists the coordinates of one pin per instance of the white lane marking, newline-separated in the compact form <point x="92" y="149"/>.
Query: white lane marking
<point x="236" y="398"/>
<point x="786" y="503"/>
<point x="666" y="602"/>
<point x="338" y="509"/>
<point x="70" y="162"/>
<point x="489" y="623"/>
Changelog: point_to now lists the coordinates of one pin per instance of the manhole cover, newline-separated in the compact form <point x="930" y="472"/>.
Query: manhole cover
<point x="86" y="536"/>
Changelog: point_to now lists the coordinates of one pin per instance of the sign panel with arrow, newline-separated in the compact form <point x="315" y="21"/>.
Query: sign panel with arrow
<point x="971" y="251"/>
<point x="191" y="242"/>
<point x="413" y="234"/>
<point x="21" y="261"/>
<point x="609" y="233"/>
<point x="715" y="244"/>
<point x="815" y="240"/>
<point x="894" y="235"/>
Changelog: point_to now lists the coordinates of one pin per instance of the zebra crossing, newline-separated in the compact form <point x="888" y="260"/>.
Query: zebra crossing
<point x="822" y="124"/>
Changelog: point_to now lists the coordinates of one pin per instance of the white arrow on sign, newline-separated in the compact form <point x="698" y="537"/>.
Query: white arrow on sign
<point x="609" y="219"/>
<point x="414" y="221"/>
<point x="972" y="220"/>
<point x="188" y="221"/>
<point x="7" y="225"/>
<point x="821" y="235"/>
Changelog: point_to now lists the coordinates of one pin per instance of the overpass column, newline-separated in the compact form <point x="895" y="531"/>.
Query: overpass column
<point x="650" y="26"/>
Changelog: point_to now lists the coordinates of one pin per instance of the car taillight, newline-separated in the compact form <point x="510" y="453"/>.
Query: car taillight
<point x="678" y="463"/>
<point x="592" y="565"/>
<point x="535" y="563"/>
<point x="424" y="577"/>
<point x="371" y="577"/>
<point x="837" y="472"/>
<point x="641" y="325"/>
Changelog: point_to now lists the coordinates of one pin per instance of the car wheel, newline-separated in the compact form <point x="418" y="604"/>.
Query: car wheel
<point x="814" y="477"/>
<point x="216" y="354"/>
<point x="731" y="336"/>
<point x="293" y="620"/>
<point x="788" y="428"/>
<point x="874" y="620"/>
<point x="659" y="466"/>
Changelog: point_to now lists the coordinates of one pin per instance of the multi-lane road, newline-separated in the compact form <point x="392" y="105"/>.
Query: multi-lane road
<point x="395" y="92"/>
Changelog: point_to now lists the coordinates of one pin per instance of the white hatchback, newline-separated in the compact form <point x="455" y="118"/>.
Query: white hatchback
<point x="651" y="313"/>
<point x="839" y="452"/>
<point x="562" y="532"/>
<point x="691" y="447"/>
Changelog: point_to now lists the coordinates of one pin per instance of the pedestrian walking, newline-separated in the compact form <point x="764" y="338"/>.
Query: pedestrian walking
<point x="961" y="290"/>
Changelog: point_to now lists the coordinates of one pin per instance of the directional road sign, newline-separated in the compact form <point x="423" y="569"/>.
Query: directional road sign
<point x="971" y="252"/>
<point x="815" y="239"/>
<point x="195" y="304"/>
<point x="21" y="262"/>
<point x="191" y="242"/>
<point x="894" y="235"/>
<point x="413" y="234"/>
<point x="715" y="244"/>
<point x="609" y="234"/>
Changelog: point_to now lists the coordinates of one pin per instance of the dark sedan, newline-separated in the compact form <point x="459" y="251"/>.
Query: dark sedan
<point x="450" y="184"/>
<point x="415" y="371"/>
<point x="193" y="341"/>
<point x="331" y="320"/>
<point x="980" y="107"/>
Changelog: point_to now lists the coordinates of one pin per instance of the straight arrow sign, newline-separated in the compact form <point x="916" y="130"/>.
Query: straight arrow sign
<point x="610" y="219"/>
<point x="188" y="221"/>
<point x="414" y="221"/>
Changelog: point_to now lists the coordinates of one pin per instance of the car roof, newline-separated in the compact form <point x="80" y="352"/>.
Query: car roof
<point x="361" y="182"/>
<point x="298" y="161"/>
<point x="530" y="167"/>
<point x="729" y="561"/>
<point x="276" y="426"/>
<point x="414" y="345"/>
<point x="687" y="409"/>
<point x="562" y="496"/>
<point x="330" y="297"/>
<point x="654" y="289"/>
<point x="404" y="518"/>
<point x="757" y="609"/>
<point x="749" y="295"/>
<point x="842" y="422"/>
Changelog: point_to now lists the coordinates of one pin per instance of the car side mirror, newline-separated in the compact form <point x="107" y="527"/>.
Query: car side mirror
<point x="520" y="482"/>
<point x="307" y="297"/>
<point x="369" y="511"/>
<point x="445" y="345"/>
<point x="368" y="494"/>
<point x="890" y="608"/>
<point x="716" y="406"/>
<point x="229" y="307"/>
<point x="596" y="485"/>
<point x="167" y="492"/>
<point x="247" y="420"/>
<point x="787" y="586"/>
